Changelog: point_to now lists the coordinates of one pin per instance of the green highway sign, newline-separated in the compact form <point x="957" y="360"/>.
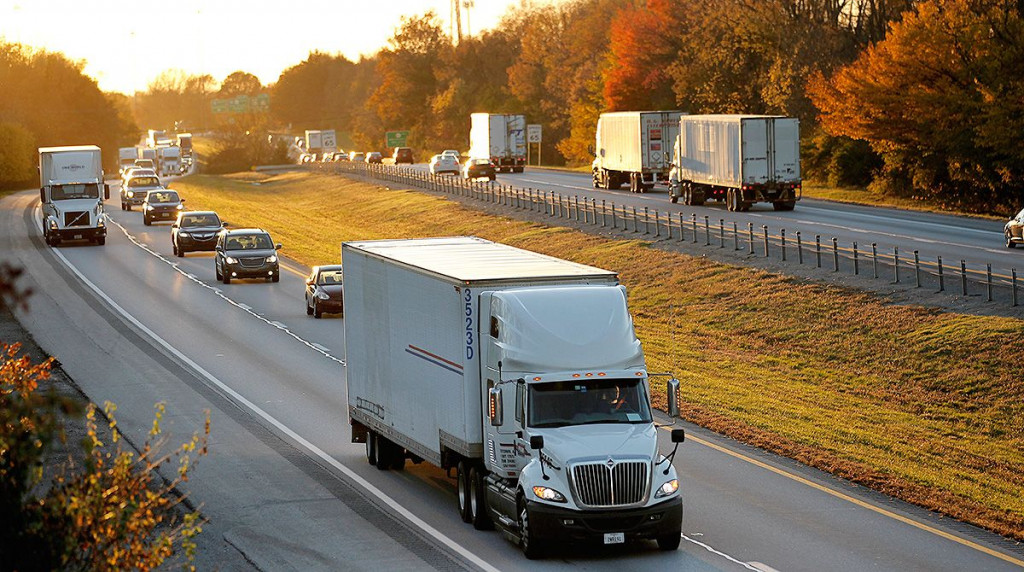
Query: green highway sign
<point x="396" y="138"/>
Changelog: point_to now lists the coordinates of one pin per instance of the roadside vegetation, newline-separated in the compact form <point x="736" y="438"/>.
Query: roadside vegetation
<point x="924" y="405"/>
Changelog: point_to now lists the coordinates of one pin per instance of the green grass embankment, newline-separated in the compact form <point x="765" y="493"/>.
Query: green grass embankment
<point x="920" y="404"/>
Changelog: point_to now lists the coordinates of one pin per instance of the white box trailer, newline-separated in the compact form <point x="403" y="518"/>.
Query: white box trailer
<point x="634" y="147"/>
<point x="500" y="137"/>
<point x="126" y="157"/>
<point x="71" y="190"/>
<point x="314" y="141"/>
<point x="484" y="358"/>
<point x="739" y="159"/>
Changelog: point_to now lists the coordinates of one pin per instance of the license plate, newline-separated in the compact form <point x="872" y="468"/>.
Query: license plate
<point x="614" y="537"/>
<point x="78" y="236"/>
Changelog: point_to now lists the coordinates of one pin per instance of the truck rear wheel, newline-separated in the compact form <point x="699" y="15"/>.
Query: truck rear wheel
<point x="462" y="484"/>
<point x="477" y="500"/>
<point x="784" y="205"/>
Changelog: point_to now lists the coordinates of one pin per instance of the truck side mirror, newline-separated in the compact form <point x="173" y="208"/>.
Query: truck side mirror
<point x="678" y="435"/>
<point x="494" y="407"/>
<point x="672" y="389"/>
<point x="537" y="442"/>
<point x="106" y="192"/>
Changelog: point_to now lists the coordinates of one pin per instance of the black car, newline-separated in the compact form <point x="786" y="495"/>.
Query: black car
<point x="476" y="168"/>
<point x="246" y="253"/>
<point x="162" y="204"/>
<point x="324" y="291"/>
<point x="403" y="155"/>
<point x="195" y="231"/>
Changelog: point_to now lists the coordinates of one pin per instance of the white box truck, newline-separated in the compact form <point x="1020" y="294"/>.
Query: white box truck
<point x="72" y="191"/>
<point x="147" y="153"/>
<point x="634" y="147"/>
<point x="126" y="157"/>
<point x="739" y="159"/>
<point x="156" y="137"/>
<point x="169" y="160"/>
<point x="521" y="372"/>
<point x="500" y="137"/>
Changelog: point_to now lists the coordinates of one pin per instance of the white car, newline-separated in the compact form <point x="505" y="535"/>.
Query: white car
<point x="444" y="164"/>
<point x="453" y="153"/>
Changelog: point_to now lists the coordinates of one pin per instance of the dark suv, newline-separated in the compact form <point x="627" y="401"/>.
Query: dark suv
<point x="195" y="230"/>
<point x="246" y="253"/>
<point x="403" y="155"/>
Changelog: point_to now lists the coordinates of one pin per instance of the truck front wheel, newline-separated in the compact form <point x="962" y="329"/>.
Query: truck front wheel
<point x="670" y="541"/>
<point x="531" y="546"/>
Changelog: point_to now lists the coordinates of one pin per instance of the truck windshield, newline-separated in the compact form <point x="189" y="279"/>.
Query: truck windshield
<point x="578" y="402"/>
<point x="75" y="191"/>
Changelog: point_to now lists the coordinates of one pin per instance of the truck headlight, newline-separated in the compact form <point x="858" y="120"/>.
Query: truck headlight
<point x="131" y="194"/>
<point x="667" y="489"/>
<point x="231" y="259"/>
<point x="548" y="494"/>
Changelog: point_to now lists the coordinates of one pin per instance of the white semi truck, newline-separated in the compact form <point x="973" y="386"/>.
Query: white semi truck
<point x="500" y="137"/>
<point x="634" y="147"/>
<point x="155" y="137"/>
<point x="169" y="160"/>
<point x="738" y="159"/>
<point x="72" y="191"/>
<point x="520" y="372"/>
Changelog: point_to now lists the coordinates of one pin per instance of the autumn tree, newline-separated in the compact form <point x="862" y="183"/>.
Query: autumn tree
<point x="941" y="99"/>
<point x="173" y="97"/>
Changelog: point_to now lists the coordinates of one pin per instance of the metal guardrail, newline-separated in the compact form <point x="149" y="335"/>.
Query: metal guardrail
<point x="823" y="252"/>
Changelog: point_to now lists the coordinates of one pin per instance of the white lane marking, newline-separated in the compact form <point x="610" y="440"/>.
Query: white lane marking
<point x="722" y="554"/>
<point x="220" y="293"/>
<point x="321" y="348"/>
<point x="316" y="451"/>
<point x="536" y="182"/>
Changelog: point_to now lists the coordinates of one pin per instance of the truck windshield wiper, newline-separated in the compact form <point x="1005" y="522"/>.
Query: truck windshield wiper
<point x="550" y="424"/>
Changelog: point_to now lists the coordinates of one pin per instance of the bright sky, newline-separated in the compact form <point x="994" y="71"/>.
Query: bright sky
<point x="127" y="43"/>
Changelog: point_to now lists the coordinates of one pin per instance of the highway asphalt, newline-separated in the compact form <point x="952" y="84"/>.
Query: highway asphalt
<point x="284" y="486"/>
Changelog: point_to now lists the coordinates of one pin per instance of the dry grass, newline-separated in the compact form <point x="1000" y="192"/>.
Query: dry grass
<point x="921" y="404"/>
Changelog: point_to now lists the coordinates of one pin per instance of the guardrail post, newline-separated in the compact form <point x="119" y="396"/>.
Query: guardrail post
<point x="782" y="234"/>
<point x="657" y="223"/>
<point x="593" y="211"/>
<point x="874" y="260"/>
<point x="963" y="276"/>
<point x="988" y="273"/>
<point x="707" y="231"/>
<point x="604" y="213"/>
<point x="1013" y="286"/>
<point x="682" y="235"/>
<point x="625" y="222"/>
<point x="856" y="266"/>
<point x="835" y="254"/>
<point x="636" y="221"/>
<point x="750" y="236"/>
<point x="647" y="222"/>
<point x="721" y="233"/>
<point x="735" y="236"/>
<point x="917" y="269"/>
<point x="799" y="248"/>
<point x="764" y="229"/>
<point x="817" y="248"/>
<point x="693" y="217"/>
<point x="896" y="264"/>
<point x="942" y="280"/>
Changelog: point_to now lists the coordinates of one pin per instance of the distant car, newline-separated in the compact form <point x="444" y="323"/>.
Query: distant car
<point x="327" y="157"/>
<point x="357" y="157"/>
<point x="340" y="156"/>
<point x="443" y="164"/>
<point x="195" y="231"/>
<point x="477" y="168"/>
<point x="307" y="158"/>
<point x="137" y="171"/>
<point x="136" y="186"/>
<point x="161" y="204"/>
<point x="146" y="164"/>
<point x="324" y="291"/>
<point x="246" y="253"/>
<point x="374" y="157"/>
<point x="453" y="153"/>
<point x="1014" y="230"/>
<point x="403" y="155"/>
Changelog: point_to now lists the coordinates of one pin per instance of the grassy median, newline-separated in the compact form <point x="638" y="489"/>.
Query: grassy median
<point x="920" y="404"/>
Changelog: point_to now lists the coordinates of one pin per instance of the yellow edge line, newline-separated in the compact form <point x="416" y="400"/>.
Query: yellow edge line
<point x="293" y="270"/>
<point x="859" y="502"/>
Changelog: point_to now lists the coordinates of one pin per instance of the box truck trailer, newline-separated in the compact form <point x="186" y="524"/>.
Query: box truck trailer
<point x="126" y="157"/>
<point x="71" y="190"/>
<point x="519" y="372"/>
<point x="634" y="147"/>
<point x="738" y="159"/>
<point x="499" y="137"/>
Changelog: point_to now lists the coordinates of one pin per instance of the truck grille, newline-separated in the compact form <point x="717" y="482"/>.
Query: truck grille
<point x="620" y="484"/>
<point x="251" y="261"/>
<point x="76" y="218"/>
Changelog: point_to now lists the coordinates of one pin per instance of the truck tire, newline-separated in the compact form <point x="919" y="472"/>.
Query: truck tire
<point x="371" y="444"/>
<point x="1010" y="243"/>
<point x="225" y="277"/>
<point x="100" y="241"/>
<point x="478" y="499"/>
<point x="670" y="541"/>
<point x="531" y="545"/>
<point x="462" y="486"/>
<point x="784" y="205"/>
<point x="145" y="220"/>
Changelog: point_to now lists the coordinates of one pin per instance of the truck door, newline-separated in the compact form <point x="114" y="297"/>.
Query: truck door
<point x="755" y="151"/>
<point x="499" y="440"/>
